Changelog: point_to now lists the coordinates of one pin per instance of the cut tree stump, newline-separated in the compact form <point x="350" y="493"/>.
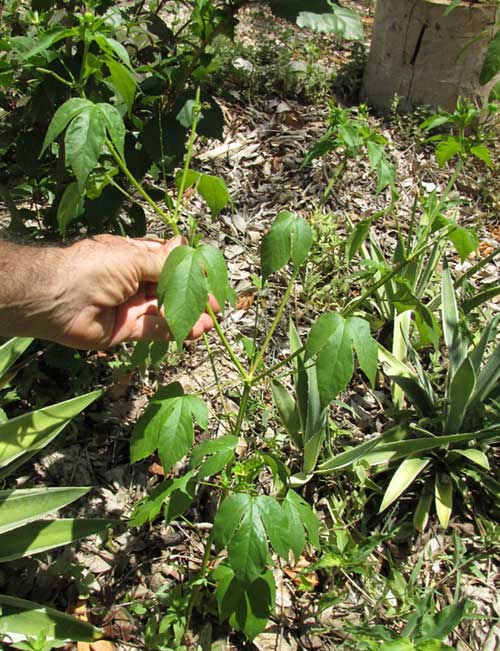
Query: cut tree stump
<point x="421" y="55"/>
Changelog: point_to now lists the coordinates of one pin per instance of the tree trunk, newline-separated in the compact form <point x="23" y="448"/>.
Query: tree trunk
<point x="425" y="57"/>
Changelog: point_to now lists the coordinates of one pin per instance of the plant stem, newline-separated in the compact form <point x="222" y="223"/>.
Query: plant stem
<point x="278" y="365"/>
<point x="353" y="305"/>
<point x="122" y="165"/>
<point x="217" y="382"/>
<point x="226" y="343"/>
<point x="189" y="154"/>
<point x="16" y="221"/>
<point x="274" y="325"/>
<point x="243" y="407"/>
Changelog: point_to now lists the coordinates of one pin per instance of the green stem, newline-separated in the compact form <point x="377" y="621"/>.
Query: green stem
<point x="216" y="376"/>
<point x="226" y="343"/>
<point x="338" y="171"/>
<point x="353" y="305"/>
<point x="260" y="355"/>
<point x="449" y="186"/>
<point x="56" y="76"/>
<point x="243" y="408"/>
<point x="121" y="164"/>
<point x="278" y="365"/>
<point x="189" y="154"/>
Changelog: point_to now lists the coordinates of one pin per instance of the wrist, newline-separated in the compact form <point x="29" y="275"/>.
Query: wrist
<point x="30" y="288"/>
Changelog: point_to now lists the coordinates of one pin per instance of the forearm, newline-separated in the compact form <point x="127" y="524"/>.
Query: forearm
<point x="29" y="287"/>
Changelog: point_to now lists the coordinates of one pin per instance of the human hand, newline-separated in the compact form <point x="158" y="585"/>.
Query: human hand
<point x="98" y="293"/>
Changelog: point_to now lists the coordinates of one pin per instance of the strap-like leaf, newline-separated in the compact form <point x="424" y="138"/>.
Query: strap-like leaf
<point x="22" y="617"/>
<point x="457" y="346"/>
<point x="460" y="391"/>
<point x="40" y="536"/>
<point x="288" y="412"/>
<point x="33" y="429"/>
<point x="18" y="507"/>
<point x="407" y="472"/>
<point x="488" y="378"/>
<point x="10" y="351"/>
<point x="443" y="498"/>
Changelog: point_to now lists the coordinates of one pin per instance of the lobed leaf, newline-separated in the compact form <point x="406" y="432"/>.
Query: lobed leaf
<point x="289" y="237"/>
<point x="212" y="189"/>
<point x="214" y="265"/>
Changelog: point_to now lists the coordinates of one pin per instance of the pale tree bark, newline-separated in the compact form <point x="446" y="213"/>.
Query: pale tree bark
<point x="425" y="57"/>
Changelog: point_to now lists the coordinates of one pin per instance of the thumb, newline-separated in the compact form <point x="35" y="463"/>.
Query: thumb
<point x="151" y="256"/>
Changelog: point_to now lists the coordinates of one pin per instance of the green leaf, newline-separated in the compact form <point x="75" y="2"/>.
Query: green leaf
<point x="149" y="507"/>
<point x="460" y="391"/>
<point x="111" y="46"/>
<point x="491" y="64"/>
<point x="176" y="434"/>
<point x="288" y="412"/>
<point x="445" y="622"/>
<point x="488" y="378"/>
<point x="289" y="237"/>
<point x="249" y="607"/>
<point x="31" y="431"/>
<point x="146" y="433"/>
<point x="297" y="511"/>
<point x="114" y="126"/>
<point x="453" y="5"/>
<point x="42" y="535"/>
<point x="447" y="149"/>
<point x="356" y="238"/>
<point x="407" y="472"/>
<point x="123" y="82"/>
<point x="348" y="457"/>
<point x="342" y="22"/>
<point x="211" y="188"/>
<point x="421" y="515"/>
<point x="70" y="207"/>
<point x="456" y="344"/>
<point x="238" y="526"/>
<point x="476" y="456"/>
<point x="465" y="241"/>
<point x="482" y="153"/>
<point x="43" y="41"/>
<point x="365" y="346"/>
<point x="18" y="507"/>
<point x="443" y="498"/>
<point x="62" y="117"/>
<point x="218" y="452"/>
<point x="488" y="292"/>
<point x="478" y="352"/>
<point x="276" y="524"/>
<point x="386" y="175"/>
<point x="10" y="351"/>
<point x="22" y="617"/>
<point x="330" y="340"/>
<point x="183" y="291"/>
<point x="84" y="142"/>
<point x="214" y="265"/>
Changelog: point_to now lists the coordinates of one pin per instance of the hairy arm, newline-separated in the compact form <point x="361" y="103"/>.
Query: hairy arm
<point x="94" y="294"/>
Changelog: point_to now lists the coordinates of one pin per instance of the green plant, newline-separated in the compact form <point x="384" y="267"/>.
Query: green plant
<point x="104" y="62"/>
<point x="24" y="527"/>
<point x="350" y="130"/>
<point x="443" y="441"/>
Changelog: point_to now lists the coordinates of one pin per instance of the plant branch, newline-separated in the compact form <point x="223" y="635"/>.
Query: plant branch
<point x="274" y="325"/>
<point x="226" y="343"/>
<point x="122" y="165"/>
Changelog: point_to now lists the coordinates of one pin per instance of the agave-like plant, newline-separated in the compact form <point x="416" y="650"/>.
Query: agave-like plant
<point x="25" y="527"/>
<point x="444" y="436"/>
